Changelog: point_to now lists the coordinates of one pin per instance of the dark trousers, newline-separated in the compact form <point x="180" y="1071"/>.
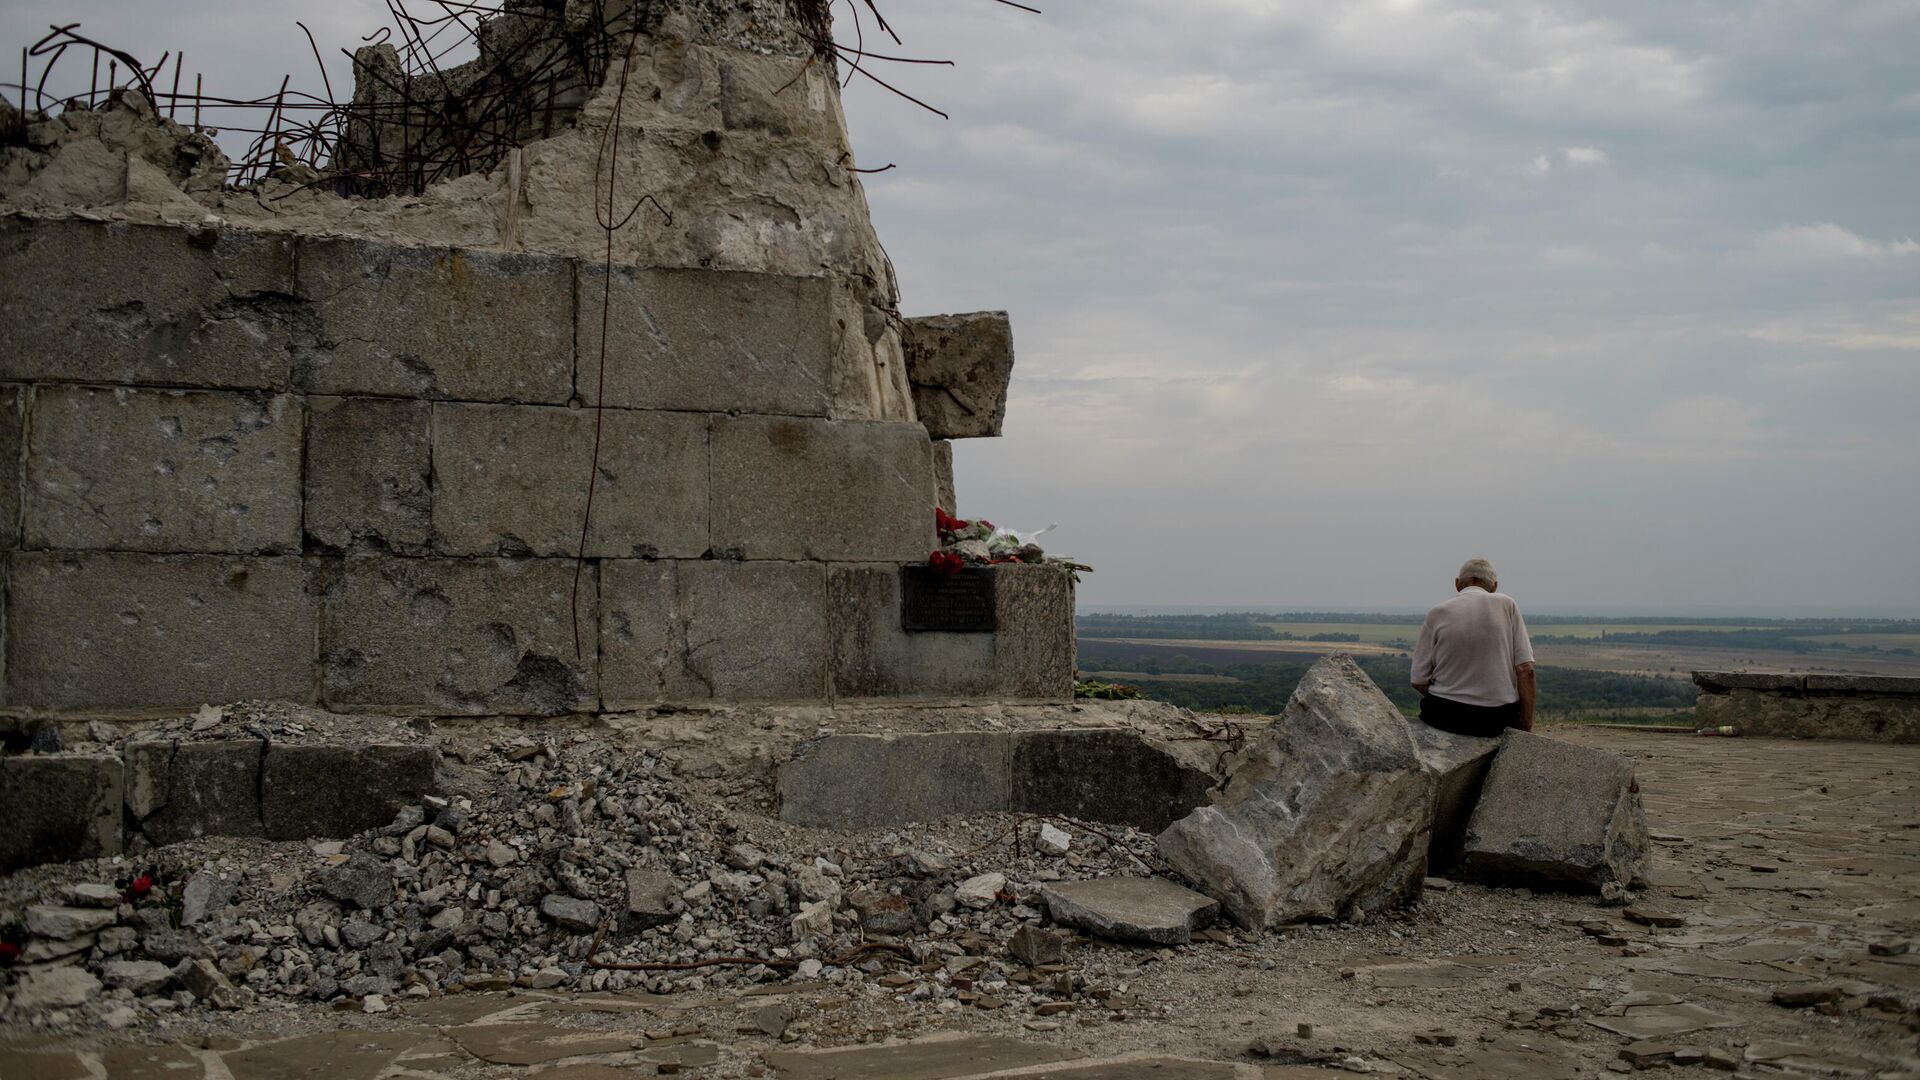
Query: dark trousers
<point x="1463" y="719"/>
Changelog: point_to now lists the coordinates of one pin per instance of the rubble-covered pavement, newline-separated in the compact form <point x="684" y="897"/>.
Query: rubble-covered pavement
<point x="1773" y="939"/>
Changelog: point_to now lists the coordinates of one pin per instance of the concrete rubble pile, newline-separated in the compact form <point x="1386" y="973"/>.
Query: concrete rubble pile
<point x="556" y="846"/>
<point x="1342" y="807"/>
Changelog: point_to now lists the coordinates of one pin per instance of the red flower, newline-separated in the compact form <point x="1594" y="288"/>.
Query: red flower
<point x="141" y="886"/>
<point x="946" y="522"/>
<point x="9" y="952"/>
<point x="946" y="562"/>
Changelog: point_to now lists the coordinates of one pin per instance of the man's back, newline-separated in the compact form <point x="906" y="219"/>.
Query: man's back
<point x="1470" y="646"/>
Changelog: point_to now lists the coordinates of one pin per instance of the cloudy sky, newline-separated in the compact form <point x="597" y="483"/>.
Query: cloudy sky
<point x="1314" y="300"/>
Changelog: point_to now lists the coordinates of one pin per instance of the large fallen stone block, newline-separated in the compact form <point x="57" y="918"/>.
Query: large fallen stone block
<point x="58" y="808"/>
<point x="959" y="366"/>
<point x="1150" y="911"/>
<point x="1557" y="814"/>
<point x="1330" y="813"/>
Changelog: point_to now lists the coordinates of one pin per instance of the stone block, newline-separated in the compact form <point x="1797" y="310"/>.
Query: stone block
<point x="945" y="496"/>
<point x="1458" y="764"/>
<point x="1558" y="815"/>
<point x="463" y="636"/>
<point x="959" y="366"/>
<point x="1034" y="650"/>
<point x="369" y="475"/>
<point x="818" y="489"/>
<point x="1328" y="814"/>
<point x="708" y="341"/>
<point x="706" y="630"/>
<point x="512" y="480"/>
<point x="308" y="790"/>
<point x="1721" y="681"/>
<point x="183" y="790"/>
<point x="112" y="630"/>
<point x="874" y="657"/>
<point x="163" y="471"/>
<point x="1104" y="774"/>
<point x="58" y="809"/>
<point x="850" y="781"/>
<point x="1145" y="911"/>
<point x="13" y="416"/>
<point x="97" y="302"/>
<point x="424" y="322"/>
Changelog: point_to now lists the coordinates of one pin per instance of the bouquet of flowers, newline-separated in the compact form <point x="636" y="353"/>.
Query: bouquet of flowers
<point x="982" y="543"/>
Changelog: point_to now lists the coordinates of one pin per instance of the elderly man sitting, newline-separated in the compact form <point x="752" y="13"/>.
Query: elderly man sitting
<point x="1474" y="664"/>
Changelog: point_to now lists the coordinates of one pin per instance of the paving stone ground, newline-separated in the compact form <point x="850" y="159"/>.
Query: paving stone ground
<point x="1789" y="862"/>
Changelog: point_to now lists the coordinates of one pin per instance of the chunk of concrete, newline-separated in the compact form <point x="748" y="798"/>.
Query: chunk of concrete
<point x="98" y="302"/>
<point x="1559" y="815"/>
<point x="800" y="489"/>
<point x="1104" y="774"/>
<point x="650" y="898"/>
<point x="54" y="988"/>
<point x="58" y="808"/>
<point x="708" y="341"/>
<point x="163" y="471"/>
<point x="1328" y="815"/>
<point x="466" y="636"/>
<point x="308" y="791"/>
<point x="369" y="475"/>
<point x="1149" y="911"/>
<point x="185" y="790"/>
<point x="113" y="630"/>
<point x="511" y="480"/>
<point x="959" y="366"/>
<point x="713" y="630"/>
<point x="363" y="880"/>
<point x="418" y="322"/>
<point x="849" y="781"/>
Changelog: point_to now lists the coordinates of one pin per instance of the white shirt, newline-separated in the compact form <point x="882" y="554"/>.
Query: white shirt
<point x="1469" y="647"/>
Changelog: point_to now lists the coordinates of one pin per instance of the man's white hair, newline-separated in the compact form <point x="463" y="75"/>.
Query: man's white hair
<point x="1478" y="572"/>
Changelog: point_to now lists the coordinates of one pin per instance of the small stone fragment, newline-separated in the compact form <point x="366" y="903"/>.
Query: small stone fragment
<point x="364" y="880"/>
<point x="1807" y="995"/>
<point x="61" y="923"/>
<point x="981" y="891"/>
<point x="1053" y="841"/>
<point x="1034" y="946"/>
<point x="571" y="913"/>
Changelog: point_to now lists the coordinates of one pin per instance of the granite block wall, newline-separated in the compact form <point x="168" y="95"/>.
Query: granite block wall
<point x="351" y="474"/>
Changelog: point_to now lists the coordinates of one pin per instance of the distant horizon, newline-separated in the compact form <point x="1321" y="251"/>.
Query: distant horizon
<point x="1601" y="611"/>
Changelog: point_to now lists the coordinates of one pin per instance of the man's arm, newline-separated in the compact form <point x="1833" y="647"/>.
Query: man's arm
<point x="1423" y="658"/>
<point x="1529" y="693"/>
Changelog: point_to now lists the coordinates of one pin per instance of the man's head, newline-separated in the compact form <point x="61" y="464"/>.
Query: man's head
<point x="1477" y="572"/>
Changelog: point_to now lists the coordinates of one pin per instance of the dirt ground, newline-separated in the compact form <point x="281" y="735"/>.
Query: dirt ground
<point x="1795" y="867"/>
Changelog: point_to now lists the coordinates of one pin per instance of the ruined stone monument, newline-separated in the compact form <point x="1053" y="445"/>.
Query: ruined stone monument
<point x="281" y="443"/>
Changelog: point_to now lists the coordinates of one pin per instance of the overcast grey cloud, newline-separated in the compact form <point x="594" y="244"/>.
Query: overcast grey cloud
<point x="1312" y="301"/>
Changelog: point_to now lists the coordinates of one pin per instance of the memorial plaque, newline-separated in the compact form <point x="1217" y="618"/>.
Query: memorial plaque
<point x="955" y="603"/>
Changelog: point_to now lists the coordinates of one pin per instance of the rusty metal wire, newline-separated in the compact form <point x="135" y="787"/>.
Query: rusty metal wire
<point x="411" y="121"/>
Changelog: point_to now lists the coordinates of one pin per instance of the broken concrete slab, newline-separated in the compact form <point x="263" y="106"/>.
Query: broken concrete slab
<point x="59" y="808"/>
<point x="337" y="1055"/>
<point x="1151" y="911"/>
<point x="369" y="475"/>
<point x="164" y="306"/>
<point x="422" y="322"/>
<point x="1661" y="1021"/>
<point x="849" y="781"/>
<point x="183" y="790"/>
<point x="509" y="480"/>
<point x="163" y="471"/>
<point x="535" y="1044"/>
<point x="1328" y="815"/>
<point x="959" y="367"/>
<point x="122" y="630"/>
<point x="1556" y="814"/>
<point x="936" y="1057"/>
<point x="466" y="636"/>
<point x="323" y="791"/>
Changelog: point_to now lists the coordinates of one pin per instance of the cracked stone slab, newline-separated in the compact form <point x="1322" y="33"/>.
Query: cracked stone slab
<point x="802" y="489"/>
<point x="123" y="630"/>
<point x="534" y="1044"/>
<point x="465" y="636"/>
<point x="163" y="471"/>
<point x="710" y="341"/>
<point x="181" y="790"/>
<point x="511" y="480"/>
<point x="420" y="322"/>
<point x="334" y="1055"/>
<point x="1152" y="911"/>
<point x="1661" y="1021"/>
<point x="99" y="302"/>
<point x="706" y="630"/>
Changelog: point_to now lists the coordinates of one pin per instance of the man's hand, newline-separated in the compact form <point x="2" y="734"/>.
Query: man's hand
<point x="1529" y="693"/>
<point x="1421" y="688"/>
